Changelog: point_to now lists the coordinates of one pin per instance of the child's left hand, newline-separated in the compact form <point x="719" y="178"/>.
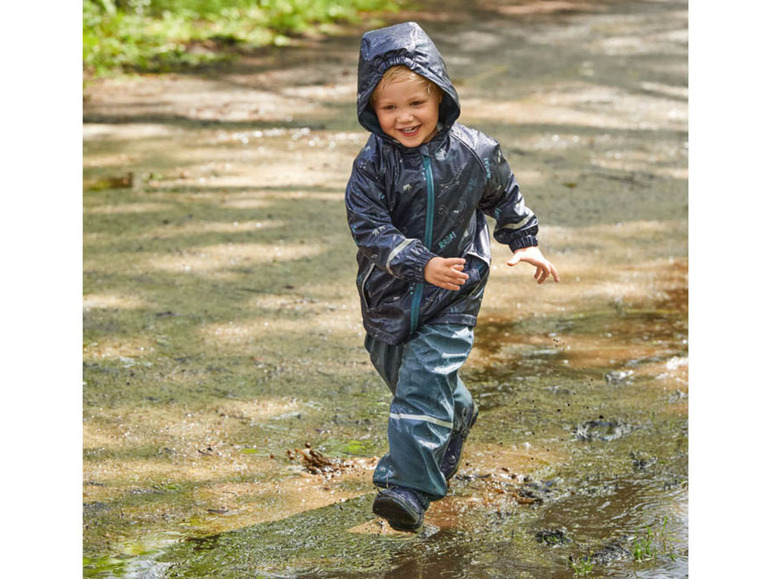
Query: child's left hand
<point x="534" y="256"/>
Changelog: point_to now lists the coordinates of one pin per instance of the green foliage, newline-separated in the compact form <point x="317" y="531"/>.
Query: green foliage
<point x="103" y="567"/>
<point x="582" y="566"/>
<point x="164" y="35"/>
<point x="642" y="548"/>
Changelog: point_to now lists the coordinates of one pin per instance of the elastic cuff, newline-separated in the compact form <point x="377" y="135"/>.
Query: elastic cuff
<point x="521" y="242"/>
<point x="421" y="262"/>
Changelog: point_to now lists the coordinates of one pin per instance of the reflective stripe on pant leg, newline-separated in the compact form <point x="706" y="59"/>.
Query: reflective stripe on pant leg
<point x="423" y="409"/>
<point x="420" y="417"/>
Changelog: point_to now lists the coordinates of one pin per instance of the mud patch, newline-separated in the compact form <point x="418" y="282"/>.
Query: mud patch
<point x="552" y="537"/>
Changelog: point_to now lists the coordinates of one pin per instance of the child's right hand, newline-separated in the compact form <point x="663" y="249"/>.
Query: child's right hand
<point x="446" y="272"/>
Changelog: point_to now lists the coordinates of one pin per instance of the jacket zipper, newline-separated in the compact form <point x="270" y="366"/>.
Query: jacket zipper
<point x="419" y="288"/>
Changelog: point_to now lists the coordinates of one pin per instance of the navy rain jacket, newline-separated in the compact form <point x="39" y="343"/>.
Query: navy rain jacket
<point x="407" y="205"/>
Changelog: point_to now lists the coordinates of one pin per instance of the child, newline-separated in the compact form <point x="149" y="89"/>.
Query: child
<point x="416" y="202"/>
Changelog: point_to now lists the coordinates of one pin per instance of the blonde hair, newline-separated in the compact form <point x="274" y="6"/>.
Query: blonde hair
<point x="401" y="72"/>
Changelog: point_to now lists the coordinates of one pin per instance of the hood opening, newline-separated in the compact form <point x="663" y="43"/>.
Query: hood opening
<point x="406" y="44"/>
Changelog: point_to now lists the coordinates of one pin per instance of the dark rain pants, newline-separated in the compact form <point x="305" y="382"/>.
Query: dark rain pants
<point x="428" y="404"/>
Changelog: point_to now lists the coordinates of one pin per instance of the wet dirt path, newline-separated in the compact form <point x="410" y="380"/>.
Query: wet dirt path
<point x="222" y="336"/>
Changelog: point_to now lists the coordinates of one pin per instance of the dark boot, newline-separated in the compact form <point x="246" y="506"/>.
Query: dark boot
<point x="403" y="508"/>
<point x="452" y="459"/>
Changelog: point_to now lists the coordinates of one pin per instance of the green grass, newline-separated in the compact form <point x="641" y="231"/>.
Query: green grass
<point x="170" y="35"/>
<point x="642" y="547"/>
<point x="582" y="566"/>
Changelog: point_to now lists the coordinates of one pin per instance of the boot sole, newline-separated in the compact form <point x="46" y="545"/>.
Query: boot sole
<point x="398" y="514"/>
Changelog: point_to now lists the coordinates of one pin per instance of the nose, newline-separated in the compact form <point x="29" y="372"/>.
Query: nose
<point x="404" y="116"/>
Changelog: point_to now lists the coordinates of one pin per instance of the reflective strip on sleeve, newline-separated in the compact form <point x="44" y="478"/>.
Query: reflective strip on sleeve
<point x="517" y="225"/>
<point x="420" y="417"/>
<point x="395" y="252"/>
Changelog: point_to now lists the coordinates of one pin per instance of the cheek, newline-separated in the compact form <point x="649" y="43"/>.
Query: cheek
<point x="383" y="118"/>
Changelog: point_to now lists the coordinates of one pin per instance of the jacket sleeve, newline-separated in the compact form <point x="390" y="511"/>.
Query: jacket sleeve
<point x="377" y="238"/>
<point x="516" y="224"/>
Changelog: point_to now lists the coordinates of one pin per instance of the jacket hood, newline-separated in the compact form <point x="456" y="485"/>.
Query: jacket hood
<point x="406" y="44"/>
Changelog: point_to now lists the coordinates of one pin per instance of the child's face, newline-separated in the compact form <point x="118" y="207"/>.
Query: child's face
<point x="408" y="112"/>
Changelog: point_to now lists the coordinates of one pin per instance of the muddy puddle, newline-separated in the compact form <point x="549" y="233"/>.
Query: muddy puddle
<point x="231" y="419"/>
<point x="574" y="470"/>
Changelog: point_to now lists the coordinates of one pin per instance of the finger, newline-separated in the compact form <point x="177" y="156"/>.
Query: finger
<point x="550" y="270"/>
<point x="444" y="280"/>
<point x="454" y="279"/>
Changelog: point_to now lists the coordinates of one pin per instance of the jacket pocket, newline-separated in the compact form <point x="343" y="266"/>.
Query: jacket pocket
<point x="478" y="276"/>
<point x="439" y="302"/>
<point x="363" y="285"/>
<point x="379" y="288"/>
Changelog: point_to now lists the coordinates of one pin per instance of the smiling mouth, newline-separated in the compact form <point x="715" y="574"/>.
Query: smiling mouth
<point x="409" y="132"/>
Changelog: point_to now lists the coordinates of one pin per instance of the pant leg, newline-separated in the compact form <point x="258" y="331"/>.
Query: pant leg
<point x="386" y="359"/>
<point x="463" y="406"/>
<point x="423" y="411"/>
